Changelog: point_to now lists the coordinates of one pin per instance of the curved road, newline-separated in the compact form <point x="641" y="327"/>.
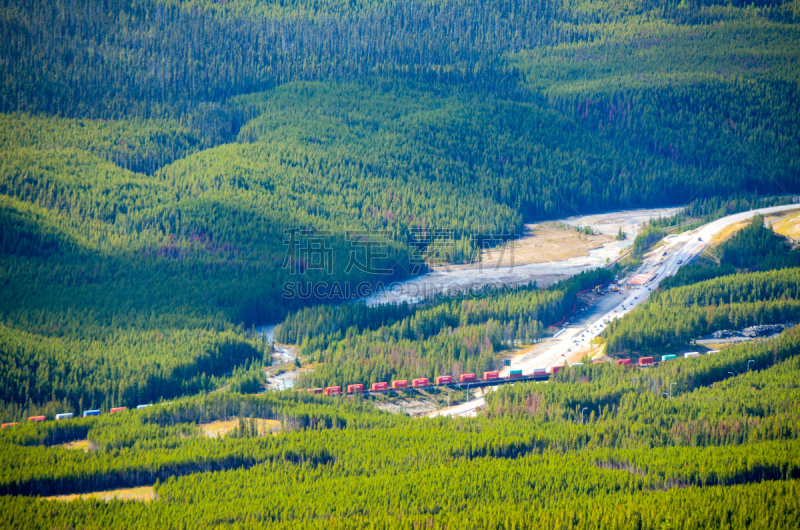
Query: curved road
<point x="678" y="250"/>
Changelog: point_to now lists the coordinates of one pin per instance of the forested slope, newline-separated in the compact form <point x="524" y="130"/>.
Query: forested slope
<point x="157" y="158"/>
<point x="598" y="447"/>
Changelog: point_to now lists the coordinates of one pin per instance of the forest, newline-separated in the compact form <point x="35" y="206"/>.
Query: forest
<point x="597" y="447"/>
<point x="176" y="173"/>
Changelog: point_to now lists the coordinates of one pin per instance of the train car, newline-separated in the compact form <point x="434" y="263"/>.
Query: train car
<point x="598" y="362"/>
<point x="63" y="416"/>
<point x="117" y="409"/>
<point x="380" y="386"/>
<point x="491" y="375"/>
<point x="515" y="373"/>
<point x="623" y="362"/>
<point x="140" y="407"/>
<point x="333" y="390"/>
<point x="444" y="380"/>
<point x="37" y="419"/>
<point x="554" y="369"/>
<point x="420" y="382"/>
<point x="399" y="385"/>
<point x="665" y="358"/>
<point x="539" y="371"/>
<point x="466" y="378"/>
<point x="353" y="389"/>
<point x="314" y="391"/>
<point x="576" y="364"/>
<point x="87" y="413"/>
<point x="646" y="361"/>
<point x="3" y="426"/>
<point x="690" y="354"/>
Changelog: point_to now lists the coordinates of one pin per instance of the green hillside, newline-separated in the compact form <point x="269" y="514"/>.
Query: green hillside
<point x="160" y="160"/>
<point x="598" y="448"/>
<point x="174" y="173"/>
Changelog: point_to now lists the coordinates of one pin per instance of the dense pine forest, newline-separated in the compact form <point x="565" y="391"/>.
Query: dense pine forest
<point x="168" y="167"/>
<point x="600" y="447"/>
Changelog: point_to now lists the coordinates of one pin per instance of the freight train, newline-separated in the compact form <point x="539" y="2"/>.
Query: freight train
<point x="489" y="378"/>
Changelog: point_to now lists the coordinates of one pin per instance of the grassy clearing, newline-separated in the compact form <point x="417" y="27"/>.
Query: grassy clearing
<point x="729" y="232"/>
<point x="541" y="243"/>
<point x="789" y="227"/>
<point x="77" y="445"/>
<point x="140" y="494"/>
<point x="220" y="428"/>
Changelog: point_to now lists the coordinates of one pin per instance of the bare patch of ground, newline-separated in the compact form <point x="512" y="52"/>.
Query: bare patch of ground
<point x="729" y="232"/>
<point x="140" y="494"/>
<point x="77" y="445"/>
<point x="413" y="406"/>
<point x="541" y="243"/>
<point x="219" y="428"/>
<point x="789" y="227"/>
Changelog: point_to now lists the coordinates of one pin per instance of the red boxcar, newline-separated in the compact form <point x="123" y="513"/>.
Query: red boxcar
<point x="422" y="381"/>
<point x="554" y="369"/>
<point x="380" y="386"/>
<point x="444" y="380"/>
<point x="333" y="391"/>
<point x="116" y="409"/>
<point x="312" y="391"/>
<point x="8" y="425"/>
<point x="646" y="361"/>
<point x="623" y="362"/>
<point x="37" y="418"/>
<point x="399" y="385"/>
<point x="352" y="389"/>
<point x="491" y="375"/>
<point x="465" y="378"/>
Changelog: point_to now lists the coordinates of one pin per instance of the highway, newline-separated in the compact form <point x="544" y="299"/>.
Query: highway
<point x="659" y="264"/>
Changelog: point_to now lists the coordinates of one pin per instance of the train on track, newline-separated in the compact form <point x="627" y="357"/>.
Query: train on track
<point x="489" y="378"/>
<point x="464" y="381"/>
